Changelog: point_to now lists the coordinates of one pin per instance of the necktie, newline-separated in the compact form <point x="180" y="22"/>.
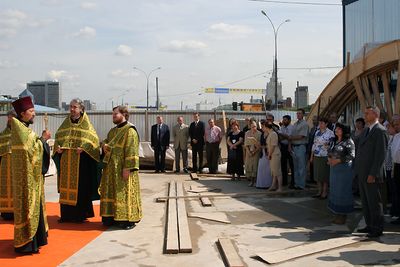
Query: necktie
<point x="367" y="132"/>
<point x="159" y="132"/>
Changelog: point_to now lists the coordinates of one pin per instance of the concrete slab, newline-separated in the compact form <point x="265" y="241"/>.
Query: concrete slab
<point x="258" y="225"/>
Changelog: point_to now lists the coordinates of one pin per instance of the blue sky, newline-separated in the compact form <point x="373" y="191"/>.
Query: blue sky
<point x="91" y="47"/>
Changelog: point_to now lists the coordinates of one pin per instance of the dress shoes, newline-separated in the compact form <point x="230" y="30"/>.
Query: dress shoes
<point x="126" y="225"/>
<point x="364" y="230"/>
<point x="316" y="196"/>
<point x="374" y="234"/>
<point x="185" y="170"/>
<point x="156" y="171"/>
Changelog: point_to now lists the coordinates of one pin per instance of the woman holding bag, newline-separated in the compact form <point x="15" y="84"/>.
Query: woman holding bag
<point x="235" y="151"/>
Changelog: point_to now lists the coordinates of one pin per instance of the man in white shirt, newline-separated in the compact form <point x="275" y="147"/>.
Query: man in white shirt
<point x="284" y="133"/>
<point x="299" y="140"/>
<point x="213" y="136"/>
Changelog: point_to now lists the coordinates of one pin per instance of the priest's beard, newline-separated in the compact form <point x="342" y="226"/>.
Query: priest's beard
<point x="117" y="121"/>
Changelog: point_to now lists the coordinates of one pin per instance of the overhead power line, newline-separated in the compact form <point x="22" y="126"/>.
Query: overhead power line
<point x="297" y="3"/>
<point x="254" y="76"/>
<point x="266" y="72"/>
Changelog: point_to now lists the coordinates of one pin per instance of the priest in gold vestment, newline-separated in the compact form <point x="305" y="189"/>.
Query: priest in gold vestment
<point x="29" y="162"/>
<point x="6" y="197"/>
<point x="120" y="202"/>
<point x="77" y="153"/>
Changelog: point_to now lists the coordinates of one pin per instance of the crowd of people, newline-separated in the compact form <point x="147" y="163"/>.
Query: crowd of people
<point x="364" y="162"/>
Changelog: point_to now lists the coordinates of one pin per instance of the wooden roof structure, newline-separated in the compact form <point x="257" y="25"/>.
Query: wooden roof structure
<point x="363" y="79"/>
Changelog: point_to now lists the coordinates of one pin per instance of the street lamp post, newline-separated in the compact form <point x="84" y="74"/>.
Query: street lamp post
<point x="276" y="54"/>
<point x="147" y="83"/>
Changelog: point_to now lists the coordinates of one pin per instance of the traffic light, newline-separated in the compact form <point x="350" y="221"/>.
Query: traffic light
<point x="235" y="105"/>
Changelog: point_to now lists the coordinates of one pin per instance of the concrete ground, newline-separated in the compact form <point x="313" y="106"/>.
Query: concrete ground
<point x="259" y="223"/>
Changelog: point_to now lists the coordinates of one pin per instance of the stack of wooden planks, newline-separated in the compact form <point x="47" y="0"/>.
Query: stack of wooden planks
<point x="177" y="235"/>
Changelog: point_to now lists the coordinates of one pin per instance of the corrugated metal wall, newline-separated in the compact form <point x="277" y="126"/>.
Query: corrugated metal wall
<point x="102" y="121"/>
<point x="371" y="21"/>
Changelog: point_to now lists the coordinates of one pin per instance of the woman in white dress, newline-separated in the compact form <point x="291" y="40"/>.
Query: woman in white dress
<point x="264" y="177"/>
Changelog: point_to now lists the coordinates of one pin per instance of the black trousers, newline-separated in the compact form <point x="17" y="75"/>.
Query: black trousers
<point x="212" y="150"/>
<point x="159" y="158"/>
<point x="395" y="190"/>
<point x="197" y="151"/>
<point x="286" y="158"/>
<point x="372" y="206"/>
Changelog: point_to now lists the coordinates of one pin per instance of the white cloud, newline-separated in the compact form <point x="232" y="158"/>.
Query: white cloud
<point x="189" y="46"/>
<point x="88" y="5"/>
<point x="85" y="33"/>
<point x="38" y="23"/>
<point x="229" y="31"/>
<point x="122" y="74"/>
<point x="124" y="50"/>
<point x="12" y="20"/>
<point x="5" y="64"/>
<point x="62" y="75"/>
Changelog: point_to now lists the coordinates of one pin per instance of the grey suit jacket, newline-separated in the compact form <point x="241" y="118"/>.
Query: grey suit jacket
<point x="370" y="153"/>
<point x="181" y="136"/>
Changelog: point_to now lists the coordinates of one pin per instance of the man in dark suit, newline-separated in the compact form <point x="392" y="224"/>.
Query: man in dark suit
<point x="369" y="167"/>
<point x="196" y="133"/>
<point x="333" y="118"/>
<point x="160" y="143"/>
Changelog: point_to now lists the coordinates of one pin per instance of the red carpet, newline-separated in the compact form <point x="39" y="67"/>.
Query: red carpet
<point x="64" y="240"/>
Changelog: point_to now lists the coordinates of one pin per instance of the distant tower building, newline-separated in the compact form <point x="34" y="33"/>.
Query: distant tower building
<point x="271" y="89"/>
<point x="301" y="96"/>
<point x="87" y="104"/>
<point x="46" y="93"/>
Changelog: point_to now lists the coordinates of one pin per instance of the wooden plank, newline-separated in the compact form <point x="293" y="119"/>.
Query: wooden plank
<point x="211" y="216"/>
<point x="388" y="98"/>
<point x="193" y="176"/>
<point x="185" y="242"/>
<point x="367" y="92"/>
<point x="214" y="175"/>
<point x="347" y="66"/>
<point x="282" y="255"/>
<point x="359" y="92"/>
<point x="264" y="193"/>
<point x="375" y="90"/>
<point x="172" y="244"/>
<point x="224" y="120"/>
<point x="205" y="201"/>
<point x="229" y="253"/>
